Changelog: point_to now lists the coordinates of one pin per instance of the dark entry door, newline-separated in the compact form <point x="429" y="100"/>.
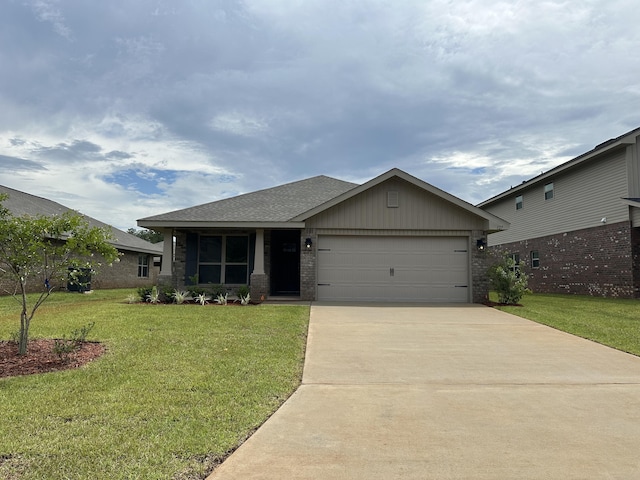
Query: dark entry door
<point x="285" y="262"/>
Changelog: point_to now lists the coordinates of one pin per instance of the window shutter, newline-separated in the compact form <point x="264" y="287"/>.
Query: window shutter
<point x="191" y="257"/>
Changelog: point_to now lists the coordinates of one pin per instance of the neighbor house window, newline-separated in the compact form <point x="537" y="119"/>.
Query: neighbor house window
<point x="535" y="259"/>
<point x="143" y="266"/>
<point x="223" y="259"/>
<point x="516" y="263"/>
<point x="548" y="191"/>
<point x="519" y="202"/>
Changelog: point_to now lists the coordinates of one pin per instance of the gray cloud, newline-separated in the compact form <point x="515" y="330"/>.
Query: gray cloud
<point x="469" y="96"/>
<point x="13" y="164"/>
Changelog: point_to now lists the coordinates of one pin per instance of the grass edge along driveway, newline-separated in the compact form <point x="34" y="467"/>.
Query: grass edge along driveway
<point x="179" y="387"/>
<point x="609" y="321"/>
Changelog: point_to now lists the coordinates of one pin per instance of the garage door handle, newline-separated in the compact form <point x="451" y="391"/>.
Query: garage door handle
<point x="461" y="286"/>
<point x="392" y="272"/>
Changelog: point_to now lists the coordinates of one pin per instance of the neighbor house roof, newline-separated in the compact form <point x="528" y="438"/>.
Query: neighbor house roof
<point x="273" y="207"/>
<point x="289" y="205"/>
<point x="610" y="145"/>
<point x="21" y="203"/>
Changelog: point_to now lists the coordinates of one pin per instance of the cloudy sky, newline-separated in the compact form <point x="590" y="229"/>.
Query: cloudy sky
<point x="124" y="109"/>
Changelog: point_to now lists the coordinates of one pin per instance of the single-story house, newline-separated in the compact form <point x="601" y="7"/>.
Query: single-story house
<point x="139" y="263"/>
<point x="393" y="239"/>
<point x="576" y="228"/>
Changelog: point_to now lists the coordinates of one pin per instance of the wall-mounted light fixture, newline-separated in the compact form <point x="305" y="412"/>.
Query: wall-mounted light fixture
<point x="308" y="243"/>
<point x="481" y="244"/>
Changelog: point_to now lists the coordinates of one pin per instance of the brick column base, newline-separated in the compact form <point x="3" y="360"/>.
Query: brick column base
<point x="259" y="286"/>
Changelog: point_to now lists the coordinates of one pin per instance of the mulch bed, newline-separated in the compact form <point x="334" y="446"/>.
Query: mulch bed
<point x="40" y="357"/>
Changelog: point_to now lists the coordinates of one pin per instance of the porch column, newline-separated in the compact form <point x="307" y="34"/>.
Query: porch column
<point x="258" y="261"/>
<point x="166" y="266"/>
<point x="259" y="287"/>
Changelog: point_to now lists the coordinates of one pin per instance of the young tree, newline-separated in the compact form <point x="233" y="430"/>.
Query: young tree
<point x="509" y="283"/>
<point x="47" y="250"/>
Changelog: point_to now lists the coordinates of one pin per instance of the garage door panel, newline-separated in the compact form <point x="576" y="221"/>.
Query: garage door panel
<point x="409" y="269"/>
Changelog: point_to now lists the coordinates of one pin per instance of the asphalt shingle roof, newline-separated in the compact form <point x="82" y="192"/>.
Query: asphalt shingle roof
<point x="21" y="203"/>
<point x="277" y="204"/>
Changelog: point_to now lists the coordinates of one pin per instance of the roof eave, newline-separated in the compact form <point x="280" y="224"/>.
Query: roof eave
<point x="622" y="142"/>
<point x="146" y="223"/>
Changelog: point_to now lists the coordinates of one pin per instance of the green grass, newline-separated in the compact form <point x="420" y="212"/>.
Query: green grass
<point x="610" y="321"/>
<point x="179" y="387"/>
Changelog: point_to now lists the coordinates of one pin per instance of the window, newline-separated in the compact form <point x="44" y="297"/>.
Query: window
<point x="519" y="202"/>
<point x="535" y="259"/>
<point x="516" y="263"/>
<point x="143" y="266"/>
<point x="223" y="259"/>
<point x="548" y="191"/>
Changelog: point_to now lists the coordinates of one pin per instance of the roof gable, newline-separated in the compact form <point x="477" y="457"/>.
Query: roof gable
<point x="493" y="222"/>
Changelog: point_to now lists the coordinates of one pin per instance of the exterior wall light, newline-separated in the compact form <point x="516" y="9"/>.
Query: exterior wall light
<point x="308" y="243"/>
<point x="481" y="244"/>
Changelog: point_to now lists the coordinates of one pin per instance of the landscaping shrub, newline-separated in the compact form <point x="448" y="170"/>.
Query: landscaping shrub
<point x="509" y="283"/>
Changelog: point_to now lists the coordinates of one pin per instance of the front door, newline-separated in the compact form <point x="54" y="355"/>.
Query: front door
<point x="285" y="262"/>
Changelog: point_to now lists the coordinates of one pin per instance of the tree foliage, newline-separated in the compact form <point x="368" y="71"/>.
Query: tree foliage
<point x="47" y="251"/>
<point x="146" y="234"/>
<point x="509" y="283"/>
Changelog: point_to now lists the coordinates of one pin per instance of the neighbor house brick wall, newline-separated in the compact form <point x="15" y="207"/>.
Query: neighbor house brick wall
<point x="124" y="274"/>
<point x="596" y="261"/>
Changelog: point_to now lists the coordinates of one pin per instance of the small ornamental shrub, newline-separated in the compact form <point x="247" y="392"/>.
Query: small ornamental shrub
<point x="154" y="296"/>
<point x="144" y="293"/>
<point x="242" y="291"/>
<point x="64" y="347"/>
<point x="244" y="300"/>
<point x="509" y="283"/>
<point x="217" y="289"/>
<point x="222" y="299"/>
<point x="181" y="296"/>
<point x="202" y="299"/>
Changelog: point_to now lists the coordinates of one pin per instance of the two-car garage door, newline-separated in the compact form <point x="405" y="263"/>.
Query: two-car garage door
<point x="393" y="269"/>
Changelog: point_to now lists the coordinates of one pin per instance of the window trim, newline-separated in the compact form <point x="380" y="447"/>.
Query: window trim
<point x="516" y="260"/>
<point x="534" y="255"/>
<point x="223" y="263"/>
<point x="548" y="191"/>
<point x="143" y="265"/>
<point x="519" y="202"/>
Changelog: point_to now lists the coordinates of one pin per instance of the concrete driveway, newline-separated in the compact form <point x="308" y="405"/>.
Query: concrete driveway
<point x="448" y="392"/>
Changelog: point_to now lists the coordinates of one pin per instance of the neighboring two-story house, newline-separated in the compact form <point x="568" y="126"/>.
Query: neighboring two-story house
<point x="575" y="228"/>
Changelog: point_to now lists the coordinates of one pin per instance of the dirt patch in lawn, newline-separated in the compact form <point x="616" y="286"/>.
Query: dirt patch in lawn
<point x="40" y="357"/>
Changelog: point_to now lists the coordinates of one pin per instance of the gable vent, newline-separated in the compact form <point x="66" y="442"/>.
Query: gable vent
<point x="392" y="200"/>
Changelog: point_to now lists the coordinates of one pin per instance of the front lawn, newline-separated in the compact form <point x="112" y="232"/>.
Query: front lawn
<point x="179" y="387"/>
<point x="610" y="321"/>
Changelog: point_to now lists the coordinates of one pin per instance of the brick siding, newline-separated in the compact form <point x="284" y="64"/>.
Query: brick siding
<point x="600" y="261"/>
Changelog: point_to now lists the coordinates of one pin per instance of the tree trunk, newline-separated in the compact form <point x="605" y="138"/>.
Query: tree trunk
<point x="24" y="323"/>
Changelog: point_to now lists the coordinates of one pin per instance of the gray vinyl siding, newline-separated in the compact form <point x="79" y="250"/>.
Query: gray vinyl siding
<point x="633" y="169"/>
<point x="417" y="210"/>
<point x="581" y="199"/>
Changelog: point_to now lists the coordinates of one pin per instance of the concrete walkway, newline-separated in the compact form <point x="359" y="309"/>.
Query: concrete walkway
<point x="459" y="392"/>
